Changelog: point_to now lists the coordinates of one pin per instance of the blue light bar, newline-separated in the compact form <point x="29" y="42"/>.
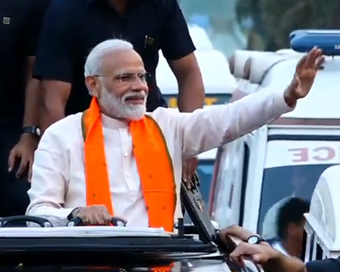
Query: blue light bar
<point x="327" y="40"/>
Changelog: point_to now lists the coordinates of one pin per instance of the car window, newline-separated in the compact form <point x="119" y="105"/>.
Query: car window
<point x="293" y="173"/>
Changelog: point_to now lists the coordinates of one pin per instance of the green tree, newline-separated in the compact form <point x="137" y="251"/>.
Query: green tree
<point x="277" y="18"/>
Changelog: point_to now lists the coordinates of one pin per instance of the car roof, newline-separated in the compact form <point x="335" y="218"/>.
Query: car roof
<point x="275" y="70"/>
<point x="324" y="98"/>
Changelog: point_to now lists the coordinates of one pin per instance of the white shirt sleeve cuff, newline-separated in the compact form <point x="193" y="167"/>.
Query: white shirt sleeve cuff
<point x="280" y="102"/>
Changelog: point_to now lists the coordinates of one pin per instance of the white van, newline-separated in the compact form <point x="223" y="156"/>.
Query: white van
<point x="284" y="158"/>
<point x="218" y="82"/>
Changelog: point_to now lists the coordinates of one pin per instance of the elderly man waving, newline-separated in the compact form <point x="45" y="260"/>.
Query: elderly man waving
<point x="115" y="159"/>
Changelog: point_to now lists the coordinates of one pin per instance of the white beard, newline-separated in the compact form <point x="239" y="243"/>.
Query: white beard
<point x="116" y="107"/>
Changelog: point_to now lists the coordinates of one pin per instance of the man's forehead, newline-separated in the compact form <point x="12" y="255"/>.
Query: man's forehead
<point x="129" y="71"/>
<point x="123" y="60"/>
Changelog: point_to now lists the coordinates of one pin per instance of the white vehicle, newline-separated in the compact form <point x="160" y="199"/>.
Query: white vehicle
<point x="218" y="82"/>
<point x="284" y="158"/>
<point x="323" y="220"/>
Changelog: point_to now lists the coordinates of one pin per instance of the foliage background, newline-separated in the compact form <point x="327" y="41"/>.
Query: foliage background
<point x="273" y="20"/>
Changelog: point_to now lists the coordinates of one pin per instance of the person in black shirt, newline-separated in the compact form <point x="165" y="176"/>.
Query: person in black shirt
<point x="73" y="27"/>
<point x="19" y="27"/>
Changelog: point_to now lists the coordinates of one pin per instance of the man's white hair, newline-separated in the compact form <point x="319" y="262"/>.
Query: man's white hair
<point x="94" y="59"/>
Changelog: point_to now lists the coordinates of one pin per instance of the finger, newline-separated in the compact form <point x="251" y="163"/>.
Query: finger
<point x="319" y="62"/>
<point x="238" y="232"/>
<point x="238" y="261"/>
<point x="301" y="63"/>
<point x="92" y="219"/>
<point x="188" y="171"/>
<point x="106" y="217"/>
<point x="98" y="217"/>
<point x="244" y="249"/>
<point x="195" y="164"/>
<point x="84" y="217"/>
<point x="11" y="160"/>
<point x="188" y="183"/>
<point x="184" y="177"/>
<point x="315" y="54"/>
<point x="259" y="258"/>
<point x="310" y="59"/>
<point x="22" y="166"/>
<point x="100" y="220"/>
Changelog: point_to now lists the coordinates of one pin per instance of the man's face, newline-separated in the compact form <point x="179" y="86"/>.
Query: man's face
<point x="295" y="231"/>
<point x="122" y="86"/>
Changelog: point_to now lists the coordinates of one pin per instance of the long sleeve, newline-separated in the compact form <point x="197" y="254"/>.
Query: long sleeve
<point x="49" y="180"/>
<point x="208" y="128"/>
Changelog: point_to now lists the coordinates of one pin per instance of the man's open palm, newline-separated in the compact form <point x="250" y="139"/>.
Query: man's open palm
<point x="305" y="73"/>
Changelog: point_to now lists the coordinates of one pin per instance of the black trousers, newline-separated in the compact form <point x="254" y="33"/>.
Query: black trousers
<point x="13" y="191"/>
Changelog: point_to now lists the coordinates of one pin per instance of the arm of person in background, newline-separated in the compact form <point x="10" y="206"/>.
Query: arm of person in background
<point x="178" y="48"/>
<point x="273" y="261"/>
<point x="54" y="63"/>
<point x="24" y="149"/>
<point x="270" y="259"/>
<point x="207" y="128"/>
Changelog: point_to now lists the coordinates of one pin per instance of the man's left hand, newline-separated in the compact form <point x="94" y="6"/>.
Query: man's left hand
<point x="189" y="167"/>
<point x="304" y="77"/>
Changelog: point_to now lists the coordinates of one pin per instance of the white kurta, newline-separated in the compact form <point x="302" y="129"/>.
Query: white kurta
<point x="58" y="181"/>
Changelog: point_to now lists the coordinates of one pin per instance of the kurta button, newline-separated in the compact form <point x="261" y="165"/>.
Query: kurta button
<point x="126" y="154"/>
<point x="147" y="208"/>
<point x="163" y="208"/>
<point x="150" y="176"/>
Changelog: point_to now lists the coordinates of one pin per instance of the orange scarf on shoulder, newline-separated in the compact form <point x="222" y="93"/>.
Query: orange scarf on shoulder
<point x="154" y="166"/>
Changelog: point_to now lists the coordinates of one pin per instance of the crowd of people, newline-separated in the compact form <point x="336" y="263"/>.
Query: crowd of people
<point x="88" y="105"/>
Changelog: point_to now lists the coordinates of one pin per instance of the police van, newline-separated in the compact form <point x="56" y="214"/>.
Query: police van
<point x="286" y="157"/>
<point x="218" y="82"/>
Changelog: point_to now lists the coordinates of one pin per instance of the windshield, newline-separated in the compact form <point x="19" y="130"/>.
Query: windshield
<point x="210" y="99"/>
<point x="292" y="169"/>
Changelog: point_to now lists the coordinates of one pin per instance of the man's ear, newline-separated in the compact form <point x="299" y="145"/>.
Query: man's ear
<point x="93" y="85"/>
